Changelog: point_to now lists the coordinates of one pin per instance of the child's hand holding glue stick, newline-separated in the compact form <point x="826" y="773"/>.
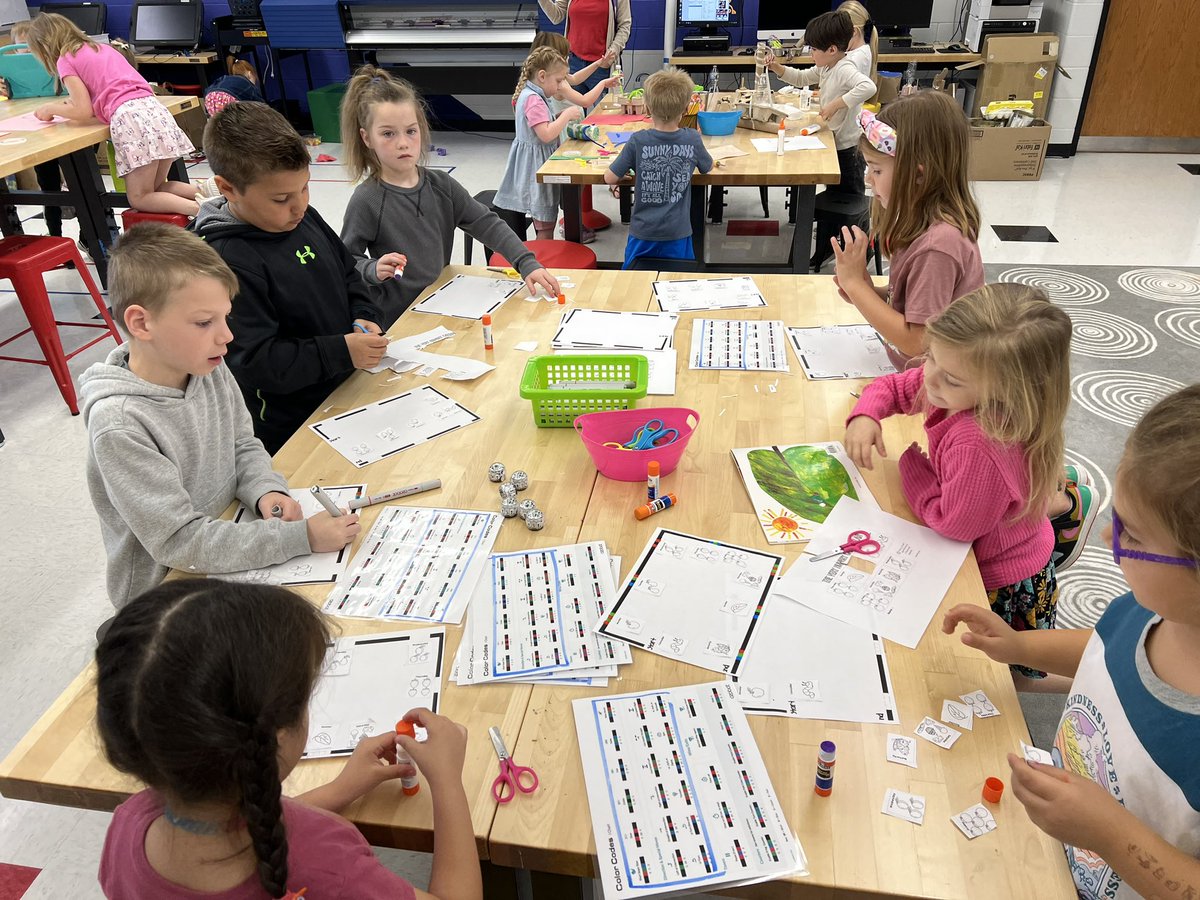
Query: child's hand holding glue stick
<point x="390" y="265"/>
<point x="439" y="757"/>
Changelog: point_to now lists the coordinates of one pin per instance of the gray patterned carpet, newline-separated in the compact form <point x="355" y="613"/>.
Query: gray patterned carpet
<point x="1136" y="340"/>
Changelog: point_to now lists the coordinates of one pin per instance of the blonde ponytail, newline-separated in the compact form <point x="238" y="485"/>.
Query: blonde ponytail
<point x="539" y="58"/>
<point x="369" y="87"/>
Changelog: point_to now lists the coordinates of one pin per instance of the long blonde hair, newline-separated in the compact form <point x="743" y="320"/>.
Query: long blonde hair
<point x="1161" y="465"/>
<point x="369" y="87"/>
<point x="861" y="19"/>
<point x="51" y="36"/>
<point x="552" y="39"/>
<point x="929" y="181"/>
<point x="1017" y="345"/>
<point x="539" y="58"/>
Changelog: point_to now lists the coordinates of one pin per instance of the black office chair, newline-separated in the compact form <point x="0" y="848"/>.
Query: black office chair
<point x="831" y="212"/>
<point x="716" y="203"/>
<point x="518" y="222"/>
<point x="654" y="264"/>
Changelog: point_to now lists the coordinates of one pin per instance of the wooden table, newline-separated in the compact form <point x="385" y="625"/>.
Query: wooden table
<point x="199" y="62"/>
<point x="737" y="60"/>
<point x="73" y="146"/>
<point x="59" y="761"/>
<point x="853" y="850"/>
<point x="801" y="170"/>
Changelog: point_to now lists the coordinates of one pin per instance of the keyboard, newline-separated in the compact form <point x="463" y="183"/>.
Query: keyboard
<point x="914" y="49"/>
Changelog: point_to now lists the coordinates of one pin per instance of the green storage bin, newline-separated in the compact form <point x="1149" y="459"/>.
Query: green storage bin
<point x="24" y="73"/>
<point x="325" y="107"/>
<point x="553" y="383"/>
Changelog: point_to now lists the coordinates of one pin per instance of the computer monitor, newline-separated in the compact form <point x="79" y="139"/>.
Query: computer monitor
<point x="708" y="15"/>
<point x="166" y="23"/>
<point x="898" y="16"/>
<point x="786" y="19"/>
<point x="91" y="18"/>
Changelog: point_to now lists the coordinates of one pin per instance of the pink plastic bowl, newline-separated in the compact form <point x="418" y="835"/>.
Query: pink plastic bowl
<point x="619" y="425"/>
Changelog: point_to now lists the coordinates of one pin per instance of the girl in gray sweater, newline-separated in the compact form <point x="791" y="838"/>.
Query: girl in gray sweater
<point x="402" y="218"/>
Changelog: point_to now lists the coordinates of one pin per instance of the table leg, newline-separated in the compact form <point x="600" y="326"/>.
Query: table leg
<point x="625" y="195"/>
<point x="572" y="212"/>
<point x="97" y="227"/>
<point x="498" y="881"/>
<point x="716" y="204"/>
<point x="698" y="222"/>
<point x="10" y="221"/>
<point x="178" y="170"/>
<point x="803" y="207"/>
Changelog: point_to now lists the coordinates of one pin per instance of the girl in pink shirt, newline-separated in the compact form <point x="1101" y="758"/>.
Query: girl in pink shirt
<point x="202" y="693"/>
<point x="924" y="215"/>
<point x="994" y="390"/>
<point x="101" y="84"/>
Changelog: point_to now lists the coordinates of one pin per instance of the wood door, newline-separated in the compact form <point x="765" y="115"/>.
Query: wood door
<point x="1147" y="78"/>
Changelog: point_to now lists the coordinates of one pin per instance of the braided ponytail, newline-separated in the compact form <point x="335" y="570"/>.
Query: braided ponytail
<point x="256" y="769"/>
<point x="544" y="57"/>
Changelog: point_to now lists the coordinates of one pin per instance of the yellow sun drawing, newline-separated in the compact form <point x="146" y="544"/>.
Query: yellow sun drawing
<point x="780" y="523"/>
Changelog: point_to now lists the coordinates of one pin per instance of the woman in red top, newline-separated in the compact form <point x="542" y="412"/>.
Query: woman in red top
<point x="597" y="29"/>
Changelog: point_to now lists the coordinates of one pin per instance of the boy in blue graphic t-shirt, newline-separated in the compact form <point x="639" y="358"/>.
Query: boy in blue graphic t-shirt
<point x="664" y="158"/>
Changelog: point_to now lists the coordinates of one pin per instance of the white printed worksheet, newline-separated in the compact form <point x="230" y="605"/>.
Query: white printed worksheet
<point x="679" y="796"/>
<point x="418" y="564"/>
<point x="379" y="430"/>
<point x="535" y="614"/>
<point x="369" y="681"/>
<point x="840" y="351"/>
<point x="616" y="330"/>
<point x="739" y="292"/>
<point x="469" y="296"/>
<point x="893" y="592"/>
<point x="315" y="568"/>
<point x="693" y="599"/>
<point x="738" y="344"/>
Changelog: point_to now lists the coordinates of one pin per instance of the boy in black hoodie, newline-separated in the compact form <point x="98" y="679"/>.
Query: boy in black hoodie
<point x="303" y="318"/>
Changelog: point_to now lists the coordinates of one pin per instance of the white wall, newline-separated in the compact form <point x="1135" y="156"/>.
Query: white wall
<point x="1076" y="22"/>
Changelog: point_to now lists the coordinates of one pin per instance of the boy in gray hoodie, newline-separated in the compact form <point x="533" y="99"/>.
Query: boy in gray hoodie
<point x="171" y="441"/>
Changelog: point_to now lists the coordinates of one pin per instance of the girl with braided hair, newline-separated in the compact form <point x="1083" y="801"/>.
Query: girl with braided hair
<point x="203" y="689"/>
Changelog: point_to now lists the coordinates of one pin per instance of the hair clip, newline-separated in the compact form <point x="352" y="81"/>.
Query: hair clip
<point x="881" y="135"/>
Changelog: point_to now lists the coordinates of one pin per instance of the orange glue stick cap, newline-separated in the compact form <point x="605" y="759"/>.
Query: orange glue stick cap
<point x="993" y="788"/>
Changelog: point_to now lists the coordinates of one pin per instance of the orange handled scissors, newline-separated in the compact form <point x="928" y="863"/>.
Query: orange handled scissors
<point x="856" y="542"/>
<point x="509" y="781"/>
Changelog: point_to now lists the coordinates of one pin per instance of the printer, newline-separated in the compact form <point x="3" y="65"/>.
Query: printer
<point x="1001" y="17"/>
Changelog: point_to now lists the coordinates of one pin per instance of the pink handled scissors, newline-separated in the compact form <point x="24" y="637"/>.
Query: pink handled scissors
<point x="856" y="542"/>
<point x="508" y="782"/>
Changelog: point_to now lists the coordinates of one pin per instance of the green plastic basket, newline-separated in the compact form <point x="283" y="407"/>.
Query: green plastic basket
<point x="558" y="385"/>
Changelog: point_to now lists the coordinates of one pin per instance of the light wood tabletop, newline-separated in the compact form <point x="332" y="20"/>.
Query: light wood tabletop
<point x="853" y="850"/>
<point x="45" y="144"/>
<point x="198" y="57"/>
<point x="755" y="168"/>
<point x="737" y="59"/>
<point x="59" y="761"/>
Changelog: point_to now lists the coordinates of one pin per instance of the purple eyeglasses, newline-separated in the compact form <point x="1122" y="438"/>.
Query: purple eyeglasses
<point x="1118" y="551"/>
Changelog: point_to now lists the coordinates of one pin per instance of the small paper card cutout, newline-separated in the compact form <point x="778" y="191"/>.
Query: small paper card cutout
<point x="937" y="733"/>
<point x="981" y="706"/>
<point x="976" y="821"/>
<point x="1036" y="754"/>
<point x="955" y="713"/>
<point x="909" y="807"/>
<point x="902" y="749"/>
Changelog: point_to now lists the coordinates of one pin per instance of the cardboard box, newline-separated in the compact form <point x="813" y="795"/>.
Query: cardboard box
<point x="1017" y="67"/>
<point x="1007" y="154"/>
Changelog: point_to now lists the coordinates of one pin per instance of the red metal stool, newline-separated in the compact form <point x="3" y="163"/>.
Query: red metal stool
<point x="131" y="217"/>
<point x="592" y="218"/>
<point x="555" y="255"/>
<point x="23" y="261"/>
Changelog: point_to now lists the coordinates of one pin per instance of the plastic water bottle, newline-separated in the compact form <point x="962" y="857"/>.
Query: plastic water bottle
<point x="712" y="90"/>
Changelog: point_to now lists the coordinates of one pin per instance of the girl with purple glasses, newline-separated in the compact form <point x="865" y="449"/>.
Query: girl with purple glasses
<point x="1123" y="794"/>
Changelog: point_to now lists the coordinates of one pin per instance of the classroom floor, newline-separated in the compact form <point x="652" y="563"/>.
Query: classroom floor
<point x="1101" y="209"/>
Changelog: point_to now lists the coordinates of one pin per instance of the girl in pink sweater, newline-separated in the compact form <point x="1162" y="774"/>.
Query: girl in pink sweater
<point x="994" y="389"/>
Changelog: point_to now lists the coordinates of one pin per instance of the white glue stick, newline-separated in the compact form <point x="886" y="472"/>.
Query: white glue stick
<point x="811" y="129"/>
<point x="782" y="138"/>
<point x="411" y="784"/>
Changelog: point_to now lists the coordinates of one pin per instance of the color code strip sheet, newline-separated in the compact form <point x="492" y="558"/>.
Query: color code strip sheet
<point x="679" y="796"/>
<point x="739" y="344"/>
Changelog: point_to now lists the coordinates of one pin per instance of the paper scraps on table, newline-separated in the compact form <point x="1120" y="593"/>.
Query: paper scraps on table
<point x="840" y="351"/>
<point x="616" y="138"/>
<point x="900" y="805"/>
<point x="315" y="568"/>
<point x="366" y="679"/>
<point x="29" y="122"/>
<point x="726" y="151"/>
<point x="937" y="733"/>
<point x="793" y="488"/>
<point x="382" y="429"/>
<point x="981" y="706"/>
<point x="418" y="564"/>
<point x="902" y="749"/>
<point x="957" y="714"/>
<point x="526" y="346"/>
<point x="1036" y="754"/>
<point x="394" y="356"/>
<point x="975" y="821"/>
<point x="468" y="296"/>
<point x="738" y="292"/>
<point x="743" y="344"/>
<point x="893" y="593"/>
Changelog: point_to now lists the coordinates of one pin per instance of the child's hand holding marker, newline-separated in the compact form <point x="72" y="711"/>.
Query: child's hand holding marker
<point x="288" y="509"/>
<point x="327" y="533"/>
<point x="390" y="265"/>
